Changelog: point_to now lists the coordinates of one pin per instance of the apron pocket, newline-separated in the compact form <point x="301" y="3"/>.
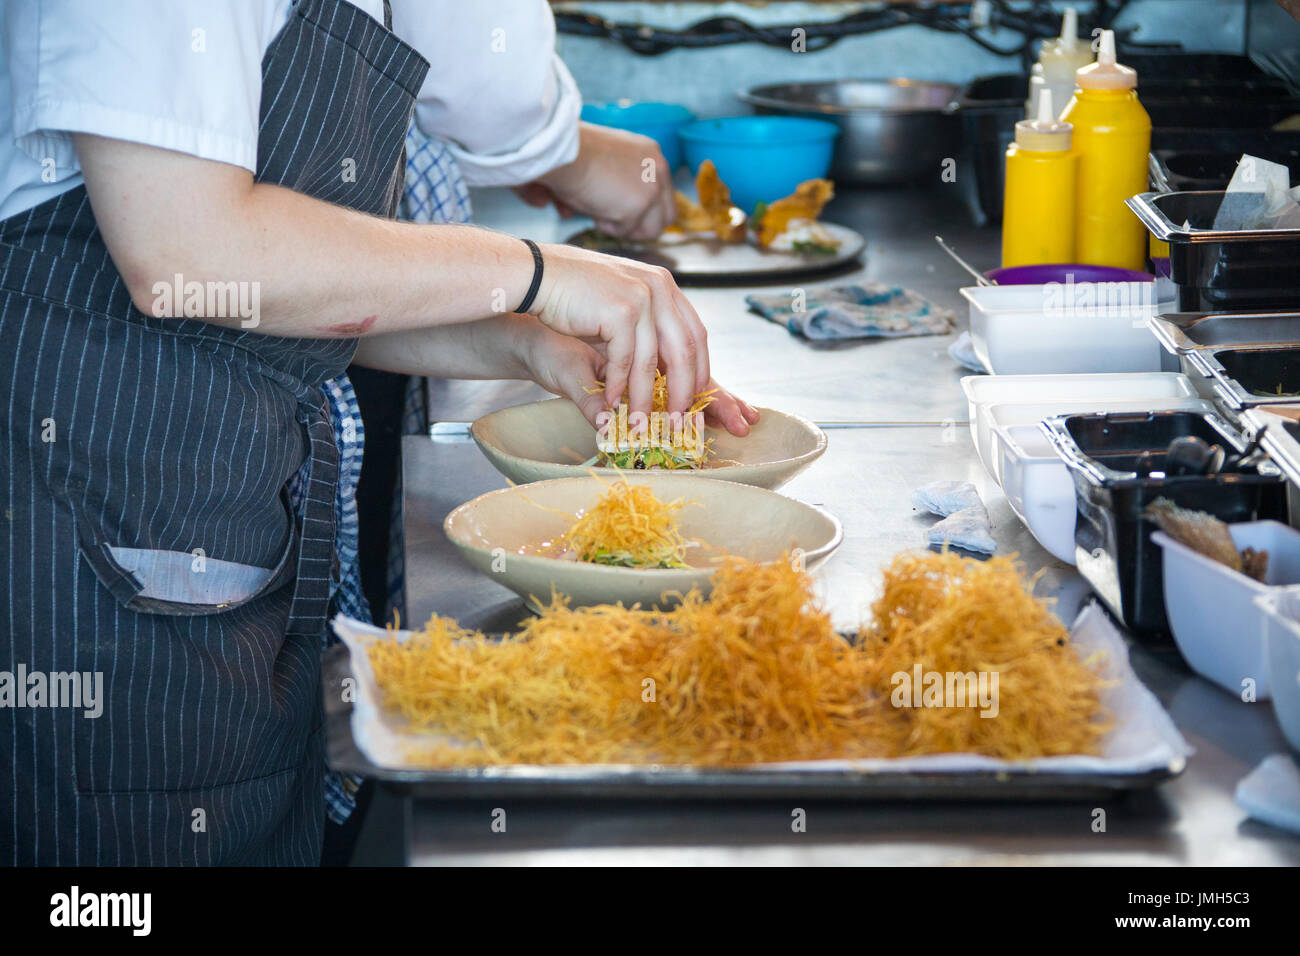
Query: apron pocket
<point x="157" y="581"/>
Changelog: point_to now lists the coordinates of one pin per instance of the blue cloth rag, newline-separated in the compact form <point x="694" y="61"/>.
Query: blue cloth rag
<point x="869" y="310"/>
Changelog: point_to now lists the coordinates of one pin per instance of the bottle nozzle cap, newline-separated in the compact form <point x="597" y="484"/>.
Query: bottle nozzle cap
<point x="1061" y="56"/>
<point x="1106" y="74"/>
<point x="1070" y="28"/>
<point x="1046" y="117"/>
<point x="1046" y="133"/>
<point x="1106" y="49"/>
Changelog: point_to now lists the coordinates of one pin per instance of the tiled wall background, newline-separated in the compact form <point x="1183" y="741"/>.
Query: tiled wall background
<point x="706" y="80"/>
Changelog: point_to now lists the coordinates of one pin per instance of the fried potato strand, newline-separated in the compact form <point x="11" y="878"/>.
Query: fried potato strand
<point x="754" y="673"/>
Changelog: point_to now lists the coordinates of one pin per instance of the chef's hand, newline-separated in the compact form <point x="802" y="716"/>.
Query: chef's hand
<point x="639" y="316"/>
<point x="568" y="367"/>
<point x="620" y="179"/>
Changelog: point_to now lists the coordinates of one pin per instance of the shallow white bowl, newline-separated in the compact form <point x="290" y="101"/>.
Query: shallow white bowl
<point x="551" y="439"/>
<point x="500" y="533"/>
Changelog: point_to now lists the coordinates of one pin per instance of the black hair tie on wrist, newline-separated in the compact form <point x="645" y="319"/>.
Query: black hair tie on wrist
<point x="537" y="277"/>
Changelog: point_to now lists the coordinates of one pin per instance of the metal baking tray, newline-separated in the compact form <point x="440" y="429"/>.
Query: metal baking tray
<point x="1184" y="332"/>
<point x="1168" y="217"/>
<point x="1277" y="427"/>
<point x="1246" y="376"/>
<point x="636" y="782"/>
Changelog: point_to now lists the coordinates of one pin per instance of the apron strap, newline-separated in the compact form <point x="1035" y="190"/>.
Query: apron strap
<point x="316" y="552"/>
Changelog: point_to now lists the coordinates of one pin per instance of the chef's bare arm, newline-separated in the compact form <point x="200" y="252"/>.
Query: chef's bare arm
<point x="496" y="347"/>
<point x="521" y="347"/>
<point x="320" y="270"/>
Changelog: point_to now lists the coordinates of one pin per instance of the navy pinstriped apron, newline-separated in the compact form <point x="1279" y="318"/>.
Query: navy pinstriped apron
<point x="146" y="535"/>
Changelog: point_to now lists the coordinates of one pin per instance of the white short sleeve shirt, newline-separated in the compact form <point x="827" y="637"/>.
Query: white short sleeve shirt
<point x="186" y="75"/>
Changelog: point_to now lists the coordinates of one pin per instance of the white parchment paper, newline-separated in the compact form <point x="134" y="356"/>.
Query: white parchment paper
<point x="1143" y="739"/>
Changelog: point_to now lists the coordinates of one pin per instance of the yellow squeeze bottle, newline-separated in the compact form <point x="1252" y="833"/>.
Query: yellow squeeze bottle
<point x="1038" y="202"/>
<point x="1112" y="135"/>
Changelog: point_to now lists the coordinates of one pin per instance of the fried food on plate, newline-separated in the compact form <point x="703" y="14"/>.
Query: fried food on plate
<point x="792" y="219"/>
<point x="805" y="203"/>
<point x="714" y="212"/>
<point x="691" y="216"/>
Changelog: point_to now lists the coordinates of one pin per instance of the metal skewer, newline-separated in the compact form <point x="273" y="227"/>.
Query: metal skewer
<point x="979" y="277"/>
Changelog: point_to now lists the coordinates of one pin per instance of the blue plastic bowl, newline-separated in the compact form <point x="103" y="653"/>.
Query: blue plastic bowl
<point x="761" y="158"/>
<point x="659" y="121"/>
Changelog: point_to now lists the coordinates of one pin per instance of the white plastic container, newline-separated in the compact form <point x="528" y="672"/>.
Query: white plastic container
<point x="1280" y="608"/>
<point x="1031" y="413"/>
<point x="983" y="391"/>
<point x="1064" y="327"/>
<point x="1217" y="625"/>
<point x="1038" y="486"/>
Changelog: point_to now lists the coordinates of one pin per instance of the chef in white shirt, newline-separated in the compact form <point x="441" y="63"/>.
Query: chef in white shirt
<point x="195" y="235"/>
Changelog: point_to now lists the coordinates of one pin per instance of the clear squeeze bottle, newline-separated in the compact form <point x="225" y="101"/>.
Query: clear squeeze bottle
<point x="1058" y="62"/>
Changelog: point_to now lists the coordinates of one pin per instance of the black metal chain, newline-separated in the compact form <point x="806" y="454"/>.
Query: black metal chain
<point x="1033" y="21"/>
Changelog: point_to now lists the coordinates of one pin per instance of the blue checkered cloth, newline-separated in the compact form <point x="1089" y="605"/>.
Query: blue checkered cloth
<point x="434" y="191"/>
<point x="345" y="586"/>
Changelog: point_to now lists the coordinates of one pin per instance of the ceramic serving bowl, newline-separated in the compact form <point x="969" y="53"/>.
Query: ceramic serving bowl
<point x="502" y="533"/>
<point x="551" y="439"/>
<point x="891" y="130"/>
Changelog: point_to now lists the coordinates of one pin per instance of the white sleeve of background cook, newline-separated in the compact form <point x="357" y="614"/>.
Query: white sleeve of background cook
<point x="182" y="75"/>
<point x="496" y="92"/>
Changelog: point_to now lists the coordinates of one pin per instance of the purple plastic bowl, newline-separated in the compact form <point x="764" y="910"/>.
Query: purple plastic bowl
<point x="1056" y="272"/>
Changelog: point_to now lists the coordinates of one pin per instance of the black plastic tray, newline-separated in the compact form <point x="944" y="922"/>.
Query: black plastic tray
<point x="1221" y="271"/>
<point x="1110" y="458"/>
<point x="1209" y="167"/>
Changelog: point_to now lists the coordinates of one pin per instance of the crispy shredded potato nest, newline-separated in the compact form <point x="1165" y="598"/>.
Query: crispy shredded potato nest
<point x="755" y="673"/>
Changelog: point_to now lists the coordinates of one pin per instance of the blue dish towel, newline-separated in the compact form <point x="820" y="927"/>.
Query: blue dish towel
<point x="965" y="521"/>
<point x="869" y="310"/>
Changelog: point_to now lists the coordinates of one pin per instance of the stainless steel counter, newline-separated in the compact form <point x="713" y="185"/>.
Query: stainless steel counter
<point x="909" y="389"/>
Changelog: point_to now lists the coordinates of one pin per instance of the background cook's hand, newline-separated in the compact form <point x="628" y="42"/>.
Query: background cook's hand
<point x="619" y="179"/>
<point x="567" y="367"/>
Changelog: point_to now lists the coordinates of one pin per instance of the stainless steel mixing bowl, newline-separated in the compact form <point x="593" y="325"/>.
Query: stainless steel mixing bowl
<point x="891" y="131"/>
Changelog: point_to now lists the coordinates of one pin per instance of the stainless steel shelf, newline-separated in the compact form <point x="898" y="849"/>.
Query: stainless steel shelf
<point x="866" y="478"/>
